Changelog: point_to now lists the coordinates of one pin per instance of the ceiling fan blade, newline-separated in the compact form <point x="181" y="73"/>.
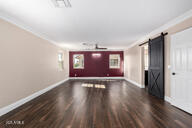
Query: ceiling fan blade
<point x="97" y="47"/>
<point x="101" y="48"/>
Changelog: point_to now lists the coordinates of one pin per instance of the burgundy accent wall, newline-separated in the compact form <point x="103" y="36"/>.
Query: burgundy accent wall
<point x="96" y="66"/>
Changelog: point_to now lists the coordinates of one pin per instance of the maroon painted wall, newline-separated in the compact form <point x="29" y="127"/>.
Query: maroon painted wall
<point x="96" y="66"/>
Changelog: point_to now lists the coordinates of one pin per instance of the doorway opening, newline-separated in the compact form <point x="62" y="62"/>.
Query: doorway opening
<point x="145" y="66"/>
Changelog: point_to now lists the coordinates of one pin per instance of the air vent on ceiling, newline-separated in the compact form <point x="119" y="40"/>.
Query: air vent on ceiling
<point x="62" y="3"/>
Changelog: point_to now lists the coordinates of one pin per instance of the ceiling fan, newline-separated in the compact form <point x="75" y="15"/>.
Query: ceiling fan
<point x="96" y="46"/>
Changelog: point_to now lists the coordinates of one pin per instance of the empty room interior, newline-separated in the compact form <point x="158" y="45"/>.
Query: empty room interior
<point x="96" y="64"/>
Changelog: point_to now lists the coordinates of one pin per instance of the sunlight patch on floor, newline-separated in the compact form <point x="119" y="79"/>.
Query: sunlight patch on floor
<point x="93" y="85"/>
<point x="99" y="86"/>
<point x="87" y="85"/>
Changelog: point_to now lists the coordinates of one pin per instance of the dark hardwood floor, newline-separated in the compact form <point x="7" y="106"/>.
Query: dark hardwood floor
<point x="119" y="105"/>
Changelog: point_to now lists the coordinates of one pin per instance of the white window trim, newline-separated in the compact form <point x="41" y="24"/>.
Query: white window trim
<point x="61" y="61"/>
<point x="119" y="61"/>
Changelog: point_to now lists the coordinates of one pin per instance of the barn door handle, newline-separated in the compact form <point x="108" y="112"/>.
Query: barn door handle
<point x="173" y="73"/>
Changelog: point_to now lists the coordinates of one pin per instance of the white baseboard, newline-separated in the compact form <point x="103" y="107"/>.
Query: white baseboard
<point x="168" y="99"/>
<point x="134" y="83"/>
<point x="97" y="78"/>
<point x="15" y="105"/>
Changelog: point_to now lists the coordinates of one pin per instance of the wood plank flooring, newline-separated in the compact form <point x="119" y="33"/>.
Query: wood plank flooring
<point x="119" y="105"/>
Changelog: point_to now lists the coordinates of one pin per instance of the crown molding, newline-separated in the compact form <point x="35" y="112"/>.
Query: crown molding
<point x="171" y="23"/>
<point x="28" y="29"/>
<point x="164" y="27"/>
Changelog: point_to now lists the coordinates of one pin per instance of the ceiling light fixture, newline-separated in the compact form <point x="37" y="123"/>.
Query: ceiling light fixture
<point x="62" y="3"/>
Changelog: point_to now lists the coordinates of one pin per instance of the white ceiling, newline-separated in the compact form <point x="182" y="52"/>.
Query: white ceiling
<point x="110" y="23"/>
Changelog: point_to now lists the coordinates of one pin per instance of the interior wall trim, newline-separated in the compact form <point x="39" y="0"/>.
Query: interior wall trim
<point x="164" y="27"/>
<point x="134" y="83"/>
<point x="168" y="99"/>
<point x="28" y="29"/>
<point x="18" y="103"/>
<point x="97" y="78"/>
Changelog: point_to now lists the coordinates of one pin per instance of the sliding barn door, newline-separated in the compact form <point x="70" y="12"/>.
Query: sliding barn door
<point x="156" y="67"/>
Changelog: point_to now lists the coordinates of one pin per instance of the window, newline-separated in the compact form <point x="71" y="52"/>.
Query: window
<point x="78" y="61"/>
<point x="114" y="61"/>
<point x="60" y="61"/>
